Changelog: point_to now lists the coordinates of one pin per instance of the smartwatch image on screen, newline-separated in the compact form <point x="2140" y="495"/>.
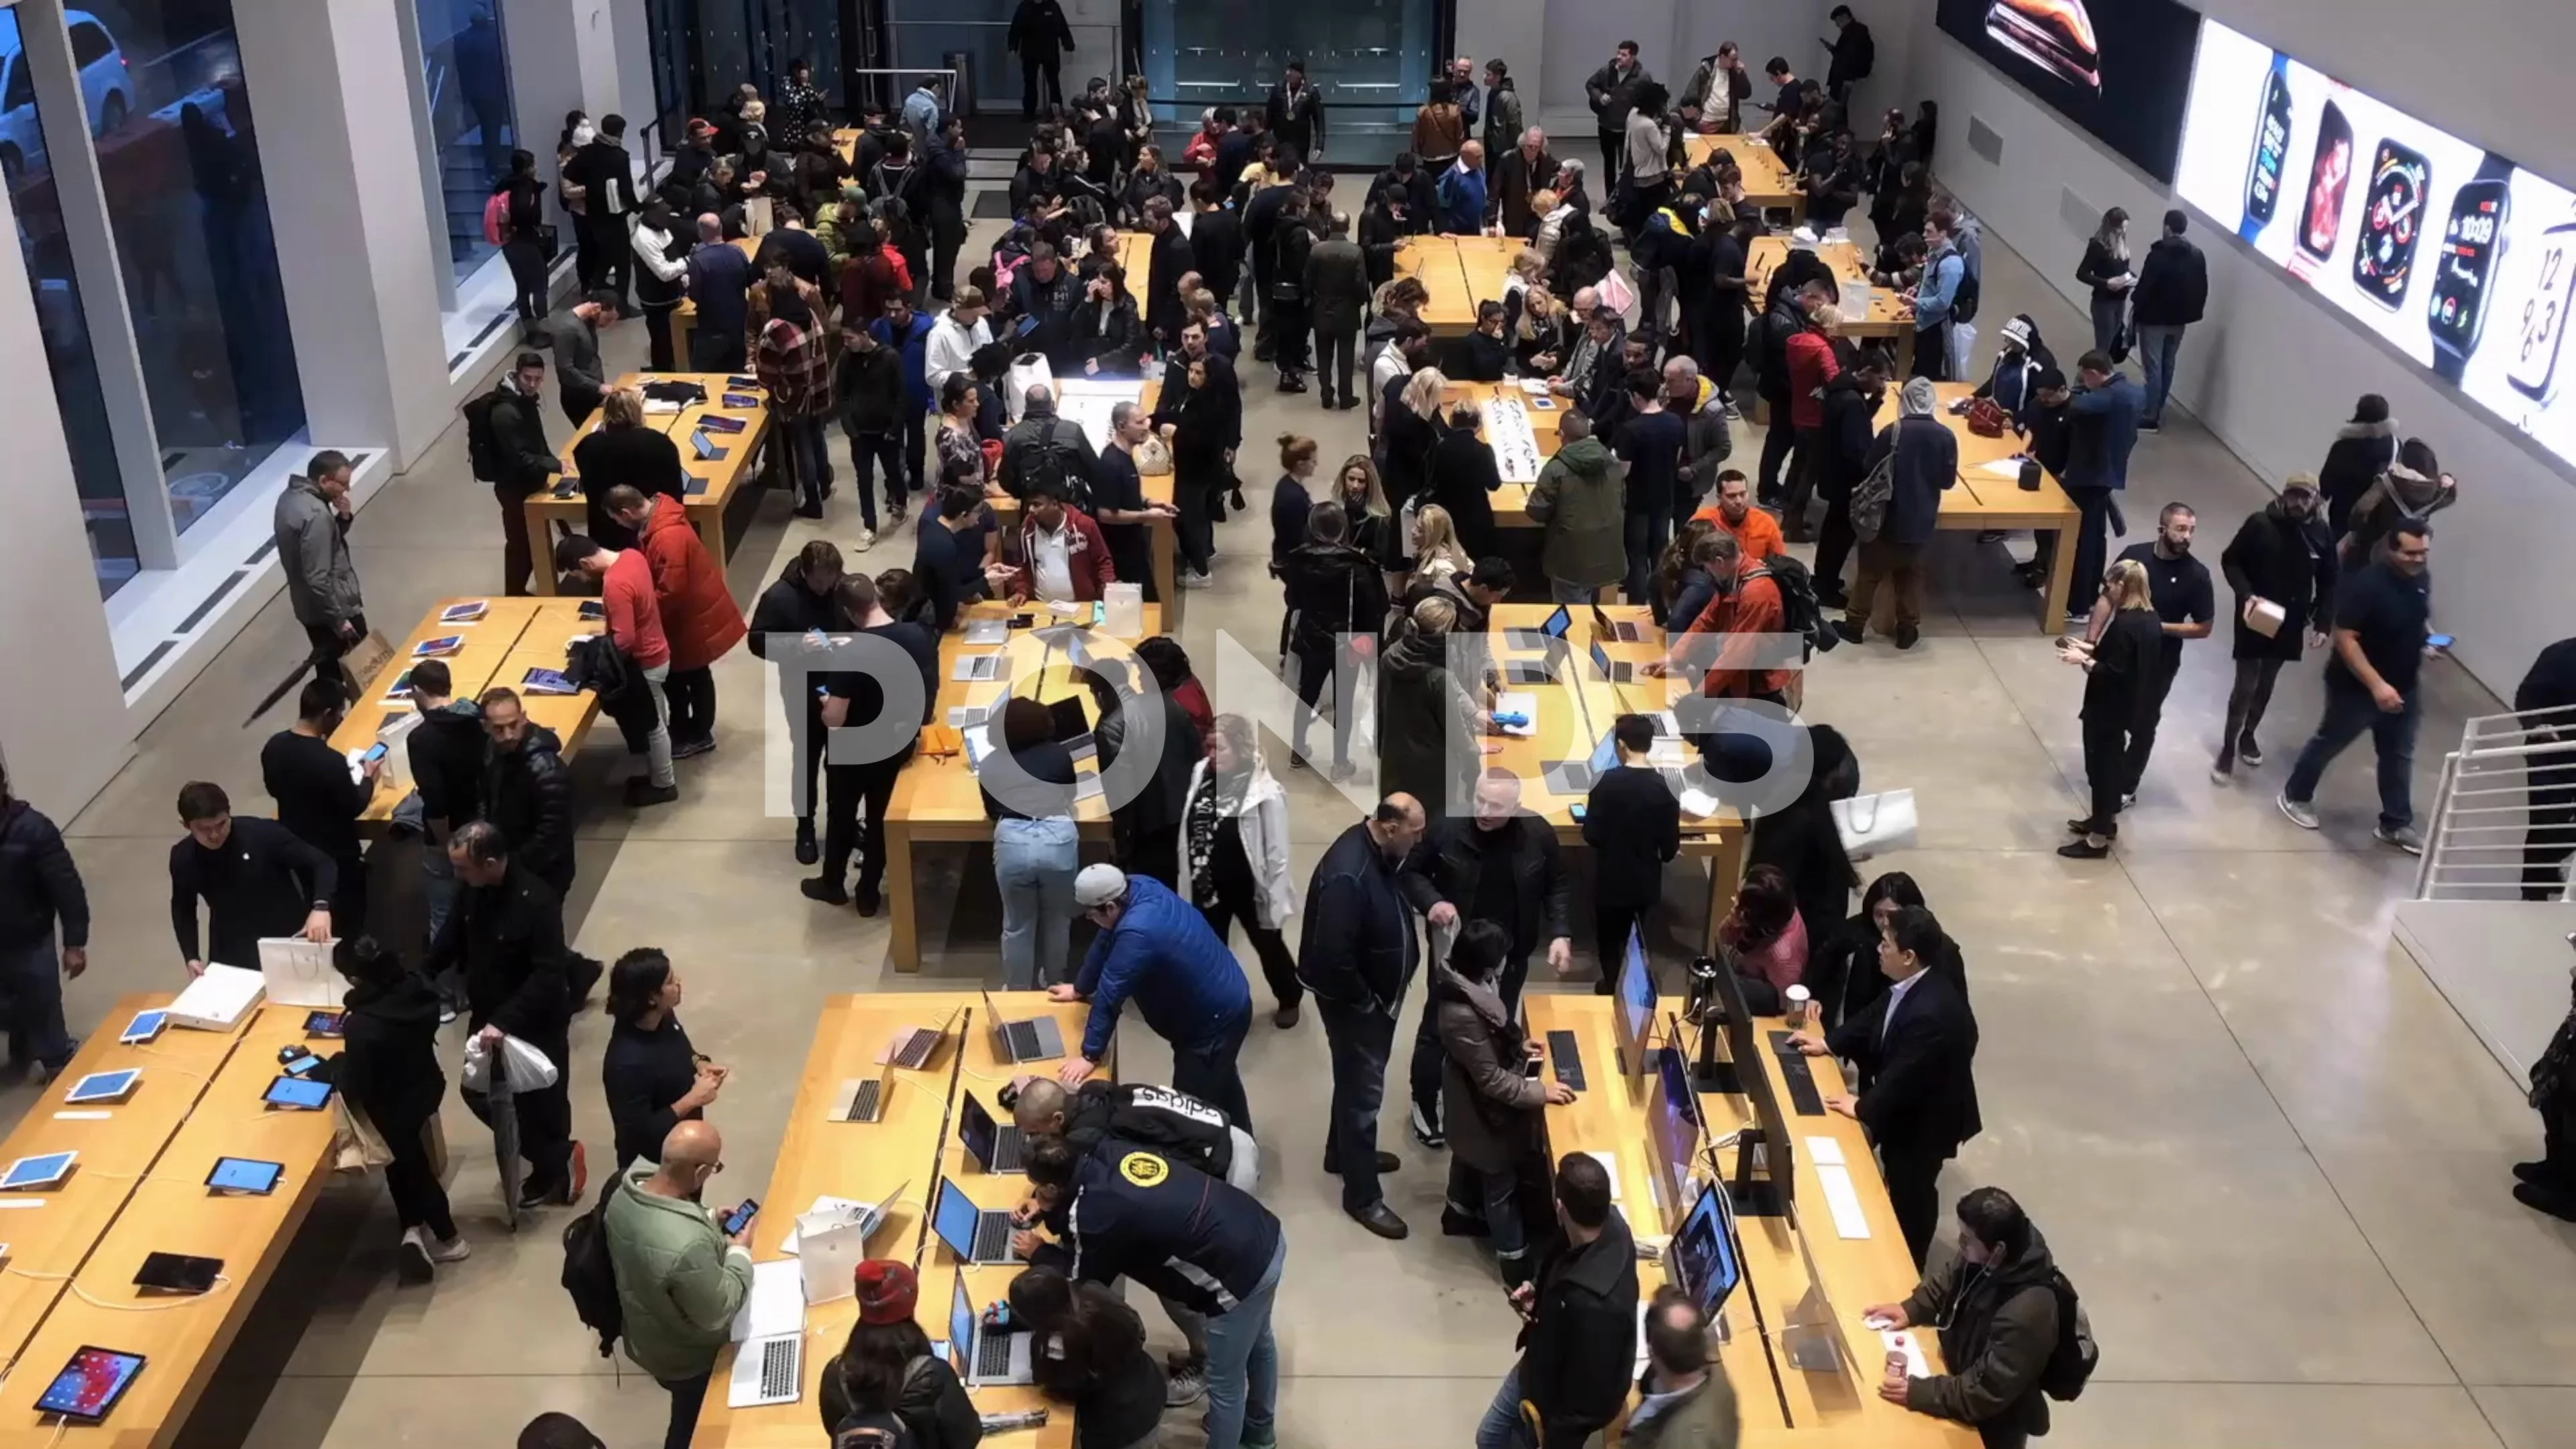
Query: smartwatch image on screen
<point x="2392" y="222"/>
<point x="2054" y="35"/>
<point x="2271" y="151"/>
<point x="2328" y="174"/>
<point x="2534" y="372"/>
<point x="2473" y="242"/>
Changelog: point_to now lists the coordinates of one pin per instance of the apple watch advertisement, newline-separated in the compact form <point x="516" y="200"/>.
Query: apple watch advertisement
<point x="2118" y="68"/>
<point x="2457" y="257"/>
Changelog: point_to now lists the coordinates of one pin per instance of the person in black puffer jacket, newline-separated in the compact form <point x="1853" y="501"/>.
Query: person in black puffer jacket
<point x="2362" y="450"/>
<point x="1333" y="590"/>
<point x="804" y="600"/>
<point x="527" y="791"/>
<point x="1803" y="842"/>
<point x="39" y="886"/>
<point x="388" y="1068"/>
<point x="1090" y="1354"/>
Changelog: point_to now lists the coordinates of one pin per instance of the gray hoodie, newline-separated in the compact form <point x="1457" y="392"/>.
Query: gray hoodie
<point x="313" y="548"/>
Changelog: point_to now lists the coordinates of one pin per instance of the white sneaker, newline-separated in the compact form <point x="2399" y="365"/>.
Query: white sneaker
<point x="1197" y="581"/>
<point x="450" y="1250"/>
<point x="2405" y="837"/>
<point x="2301" y="813"/>
<point x="867" y="539"/>
<point x="412" y="1260"/>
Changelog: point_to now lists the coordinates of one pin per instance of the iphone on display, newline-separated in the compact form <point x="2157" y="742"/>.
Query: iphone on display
<point x="2534" y="373"/>
<point x="2392" y="222"/>
<point x="2328" y="174"/>
<point x="2473" y="242"/>
<point x="2271" y="151"/>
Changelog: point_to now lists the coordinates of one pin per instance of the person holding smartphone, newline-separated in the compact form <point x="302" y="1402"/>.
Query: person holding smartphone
<point x="319" y="798"/>
<point x="681" y="1277"/>
<point x="1493" y="1103"/>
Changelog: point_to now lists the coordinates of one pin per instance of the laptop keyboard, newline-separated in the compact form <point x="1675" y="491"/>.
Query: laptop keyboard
<point x="1009" y="1150"/>
<point x="1565" y="1053"/>
<point x="993" y="1238"/>
<point x="863" y="1108"/>
<point x="916" y="1050"/>
<point x="778" y="1368"/>
<point x="992" y="1355"/>
<point x="1023" y="1037"/>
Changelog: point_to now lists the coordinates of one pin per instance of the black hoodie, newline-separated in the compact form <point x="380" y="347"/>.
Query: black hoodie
<point x="1581" y="1341"/>
<point x="388" y="1061"/>
<point x="38" y="882"/>
<point x="447" y="750"/>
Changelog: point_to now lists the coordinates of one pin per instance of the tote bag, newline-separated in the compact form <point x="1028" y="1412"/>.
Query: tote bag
<point x="1875" y="824"/>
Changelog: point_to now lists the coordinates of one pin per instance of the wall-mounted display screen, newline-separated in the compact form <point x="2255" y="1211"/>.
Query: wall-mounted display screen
<point x="2460" y="259"/>
<point x="2118" y="68"/>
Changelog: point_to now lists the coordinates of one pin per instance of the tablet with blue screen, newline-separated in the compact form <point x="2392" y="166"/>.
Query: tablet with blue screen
<point x="33" y="1172"/>
<point x="103" y="1087"/>
<point x="242" y="1174"/>
<point x="298" y="1094"/>
<point x="90" y="1384"/>
<point x="145" y="1026"/>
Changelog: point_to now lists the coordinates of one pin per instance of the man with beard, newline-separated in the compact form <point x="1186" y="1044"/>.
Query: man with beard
<point x="2179" y="585"/>
<point x="1357" y="955"/>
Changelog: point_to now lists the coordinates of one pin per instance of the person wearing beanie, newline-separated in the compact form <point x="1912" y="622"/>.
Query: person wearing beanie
<point x="1156" y="949"/>
<point x="886" y="1374"/>
<point x="2282" y="565"/>
<point x="1927" y="464"/>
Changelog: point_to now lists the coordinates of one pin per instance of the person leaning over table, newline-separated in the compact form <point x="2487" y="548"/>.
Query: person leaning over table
<point x="680" y="1279"/>
<point x="1995" y="1305"/>
<point x="574" y="335"/>
<point x="1916" y="1049"/>
<point x="653" y="1078"/>
<point x="256" y="878"/>
<point x="1494" y="1122"/>
<point x="1090" y="1355"/>
<point x="1035" y="845"/>
<point x="1157" y="951"/>
<point x="625" y="451"/>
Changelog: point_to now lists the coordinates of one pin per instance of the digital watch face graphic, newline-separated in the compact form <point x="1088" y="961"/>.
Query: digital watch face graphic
<point x="2055" y="35"/>
<point x="2328" y="175"/>
<point x="2392" y="223"/>
<point x="2271" y="155"/>
<point x="2534" y="373"/>
<point x="2465" y="267"/>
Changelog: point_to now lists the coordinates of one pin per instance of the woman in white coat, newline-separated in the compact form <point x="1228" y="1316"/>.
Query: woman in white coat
<point x="1234" y="835"/>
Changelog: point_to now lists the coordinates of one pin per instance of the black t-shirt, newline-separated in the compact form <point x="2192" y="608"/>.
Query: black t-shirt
<point x="2390" y="613"/>
<point x="2181" y="590"/>
<point x="315" y="797"/>
<point x="1498" y="886"/>
<point x="1651" y="445"/>
<point x="863" y="688"/>
<point x="1116" y="487"/>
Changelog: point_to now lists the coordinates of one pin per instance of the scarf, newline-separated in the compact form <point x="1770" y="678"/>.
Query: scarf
<point x="1206" y="809"/>
<point x="2549" y="1075"/>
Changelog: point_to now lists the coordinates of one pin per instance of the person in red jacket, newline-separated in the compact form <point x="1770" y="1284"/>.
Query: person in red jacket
<point x="1724" y="639"/>
<point x="1812" y="364"/>
<point x="698" y="614"/>
<point x="635" y="625"/>
<point x="1062" y="554"/>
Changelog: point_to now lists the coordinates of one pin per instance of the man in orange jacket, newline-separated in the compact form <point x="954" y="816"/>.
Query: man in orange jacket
<point x="698" y="613"/>
<point x="1754" y="529"/>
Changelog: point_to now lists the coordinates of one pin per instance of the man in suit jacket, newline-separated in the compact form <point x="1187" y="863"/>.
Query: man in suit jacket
<point x="1520" y="173"/>
<point x="1337" y="295"/>
<point x="1165" y="307"/>
<point x="1916" y="1048"/>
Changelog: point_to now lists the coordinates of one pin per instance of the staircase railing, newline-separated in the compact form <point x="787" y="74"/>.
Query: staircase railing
<point x="2504" y="820"/>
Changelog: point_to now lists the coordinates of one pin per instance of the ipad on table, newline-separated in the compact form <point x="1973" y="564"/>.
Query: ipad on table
<point x="298" y="1094"/>
<point x="103" y="1087"/>
<point x="90" y="1383"/>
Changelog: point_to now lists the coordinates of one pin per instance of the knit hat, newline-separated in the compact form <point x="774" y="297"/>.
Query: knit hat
<point x="2018" y="331"/>
<point x="1920" y="399"/>
<point x="2047" y="379"/>
<point x="887" y="1291"/>
<point x="1098" y="885"/>
<point x="2300" y="483"/>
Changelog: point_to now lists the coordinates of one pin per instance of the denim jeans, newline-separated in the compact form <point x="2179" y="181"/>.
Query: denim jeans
<point x="1502" y="1426"/>
<point x="1647" y="533"/>
<point x="2349" y="712"/>
<point x="2157" y="348"/>
<point x="1208" y="1070"/>
<point x="867" y="450"/>
<point x="657" y="745"/>
<point x="1561" y="592"/>
<point x="1034" y="863"/>
<point x="807" y="459"/>
<point x="437" y="880"/>
<point x="31" y="1002"/>
<point x="1243" y="1365"/>
<point x="1494" y="1198"/>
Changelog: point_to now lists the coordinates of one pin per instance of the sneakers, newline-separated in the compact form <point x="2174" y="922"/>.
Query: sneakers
<point x="2405" y="837"/>
<point x="1185" y="1384"/>
<point x="411" y="1260"/>
<point x="1425" y="1130"/>
<point x="2221" y="776"/>
<point x="692" y="749"/>
<point x="641" y="791"/>
<point x="867" y="539"/>
<point x="449" y="1250"/>
<point x="2248" y="751"/>
<point x="1190" y="580"/>
<point x="2301" y="813"/>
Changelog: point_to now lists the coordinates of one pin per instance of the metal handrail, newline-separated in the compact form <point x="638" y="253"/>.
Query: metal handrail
<point x="2507" y="767"/>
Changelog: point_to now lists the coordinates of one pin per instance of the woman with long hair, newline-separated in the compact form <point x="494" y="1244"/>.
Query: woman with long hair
<point x="1371" y="522"/>
<point x="1768" y="936"/>
<point x="1090" y="1354"/>
<point x="1409" y="433"/>
<point x="1675" y="578"/>
<point x="1202" y="423"/>
<point x="1234" y="835"/>
<point x="522" y="239"/>
<point x="1112" y="339"/>
<point x="957" y="445"/>
<point x="388" y="1068"/>
<point x="1336" y="604"/>
<point x="1842" y="969"/>
<point x="1436" y="552"/>
<point x="2107" y="271"/>
<point x="655" y="1079"/>
<point x="2119" y="701"/>
<point x="886" y="1369"/>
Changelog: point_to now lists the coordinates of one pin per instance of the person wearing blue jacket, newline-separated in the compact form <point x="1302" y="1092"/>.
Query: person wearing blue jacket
<point x="1462" y="193"/>
<point x="908" y="333"/>
<point x="2102" y="432"/>
<point x="1155" y="948"/>
<point x="1943" y="269"/>
<point x="1126" y="1210"/>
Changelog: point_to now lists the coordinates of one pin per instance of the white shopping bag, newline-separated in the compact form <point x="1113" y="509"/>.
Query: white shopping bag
<point x="527" y="1067"/>
<point x="1028" y="370"/>
<point x="1875" y="824"/>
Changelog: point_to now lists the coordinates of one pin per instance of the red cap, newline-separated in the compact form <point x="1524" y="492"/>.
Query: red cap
<point x="887" y="1291"/>
<point x="700" y="126"/>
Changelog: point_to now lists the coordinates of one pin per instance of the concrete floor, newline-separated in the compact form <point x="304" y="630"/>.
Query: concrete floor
<point x="2271" y="1157"/>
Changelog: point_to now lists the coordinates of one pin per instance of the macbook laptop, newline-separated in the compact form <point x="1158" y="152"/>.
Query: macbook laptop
<point x="1605" y="627"/>
<point x="769" y="1363"/>
<point x="1072" y="728"/>
<point x="995" y="1148"/>
<point x="915" y="1047"/>
<point x="1577" y="777"/>
<point x="976" y="1234"/>
<point x="1539" y="638"/>
<point x="863" y="1099"/>
<point x="985" y="1356"/>
<point x="1021" y="1042"/>
<point x="1617" y="671"/>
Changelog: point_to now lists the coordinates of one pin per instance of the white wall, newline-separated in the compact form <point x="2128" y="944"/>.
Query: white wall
<point x="2274" y="370"/>
<point x="1514" y="32"/>
<point x="1675" y="34"/>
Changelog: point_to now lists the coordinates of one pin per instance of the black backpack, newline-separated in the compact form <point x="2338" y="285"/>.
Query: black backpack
<point x="1963" y="302"/>
<point x="589" y="1276"/>
<point x="877" y="1428"/>
<point x="1049" y="464"/>
<point x="2071" y="1363"/>
<point x="1800" y="614"/>
<point x="482" y="445"/>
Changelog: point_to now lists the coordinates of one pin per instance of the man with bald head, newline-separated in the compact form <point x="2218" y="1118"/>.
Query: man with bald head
<point x="1176" y="1123"/>
<point x="681" y="1277"/>
<point x="720" y="279"/>
<point x="1357" y="955"/>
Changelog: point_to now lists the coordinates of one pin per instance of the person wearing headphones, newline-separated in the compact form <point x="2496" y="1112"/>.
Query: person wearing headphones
<point x="1995" y="1305"/>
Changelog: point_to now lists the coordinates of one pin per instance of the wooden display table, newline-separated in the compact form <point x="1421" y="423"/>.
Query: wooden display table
<point x="936" y="800"/>
<point x="1888" y="319"/>
<point x="712" y="485"/>
<point x="1767" y="183"/>
<point x="513" y="637"/>
<point x="1162" y="532"/>
<point x="166" y="1208"/>
<point x="1984" y="500"/>
<point x="1434" y="261"/>
<point x="1779" y="1404"/>
<point x="902" y="1154"/>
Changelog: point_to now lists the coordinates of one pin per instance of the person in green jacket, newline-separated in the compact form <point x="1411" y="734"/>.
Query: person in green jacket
<point x="1579" y="501"/>
<point x="680" y="1279"/>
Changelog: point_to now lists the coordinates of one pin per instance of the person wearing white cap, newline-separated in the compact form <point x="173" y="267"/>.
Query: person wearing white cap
<point x="1155" y="948"/>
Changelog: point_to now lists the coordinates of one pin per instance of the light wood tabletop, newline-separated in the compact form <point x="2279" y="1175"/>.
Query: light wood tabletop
<point x="171" y="1211"/>
<point x="903" y="1156"/>
<point x="713" y="483"/>
<point x="1767" y="183"/>
<point x="1433" y="260"/>
<point x="1161" y="534"/>
<point x="1986" y="500"/>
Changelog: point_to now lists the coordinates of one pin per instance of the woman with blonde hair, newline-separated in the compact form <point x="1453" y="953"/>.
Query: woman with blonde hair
<point x="2119" y="700"/>
<point x="1528" y="274"/>
<point x="1363" y="500"/>
<point x="623" y="450"/>
<point x="1436" y="551"/>
<point x="1408" y="433"/>
<point x="1551" y="211"/>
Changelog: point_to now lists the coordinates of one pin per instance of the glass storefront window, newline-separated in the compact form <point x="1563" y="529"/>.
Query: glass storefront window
<point x="467" y="73"/>
<point x="1371" y="59"/>
<point x="178" y="154"/>
<point x="60" y="317"/>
